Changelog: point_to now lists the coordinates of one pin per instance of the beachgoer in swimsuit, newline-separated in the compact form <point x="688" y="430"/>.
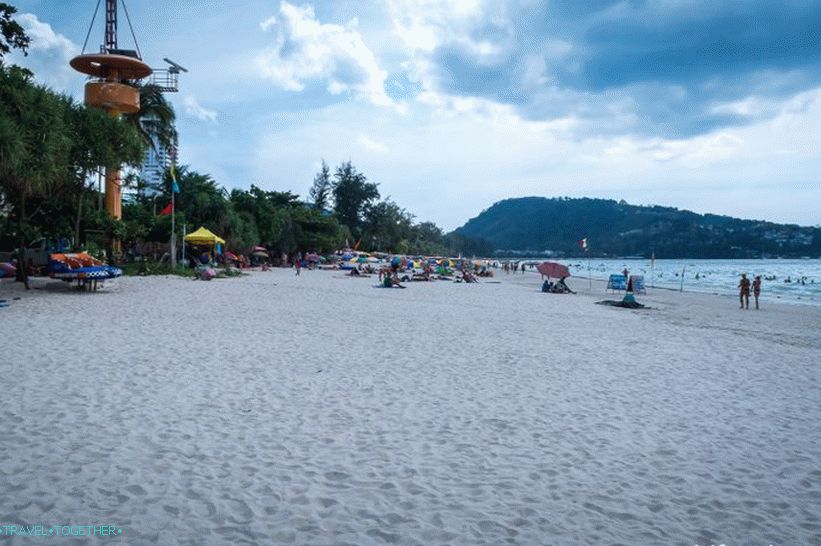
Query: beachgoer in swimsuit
<point x="744" y="291"/>
<point x="757" y="289"/>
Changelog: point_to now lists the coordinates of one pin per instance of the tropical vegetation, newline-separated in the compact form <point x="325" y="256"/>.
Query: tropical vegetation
<point x="538" y="225"/>
<point x="53" y="149"/>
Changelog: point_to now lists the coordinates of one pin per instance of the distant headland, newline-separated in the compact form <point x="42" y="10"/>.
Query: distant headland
<point x="555" y="226"/>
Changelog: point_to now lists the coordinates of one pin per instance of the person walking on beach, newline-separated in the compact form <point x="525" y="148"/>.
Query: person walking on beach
<point x="756" y="289"/>
<point x="744" y="291"/>
<point x="297" y="264"/>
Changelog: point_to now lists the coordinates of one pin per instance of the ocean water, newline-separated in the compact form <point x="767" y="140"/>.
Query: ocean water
<point x="716" y="276"/>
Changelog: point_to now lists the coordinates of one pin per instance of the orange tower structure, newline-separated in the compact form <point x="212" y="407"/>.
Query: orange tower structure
<point x="115" y="72"/>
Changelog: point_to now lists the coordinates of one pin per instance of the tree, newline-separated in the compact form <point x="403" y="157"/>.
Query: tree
<point x="34" y="147"/>
<point x="386" y="226"/>
<point x="48" y="145"/>
<point x="98" y="141"/>
<point x="155" y="119"/>
<point x="353" y="194"/>
<point x="202" y="201"/>
<point x="427" y="239"/>
<point x="320" y="192"/>
<point x="12" y="35"/>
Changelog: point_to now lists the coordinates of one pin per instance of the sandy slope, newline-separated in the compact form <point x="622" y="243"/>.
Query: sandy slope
<point x="318" y="409"/>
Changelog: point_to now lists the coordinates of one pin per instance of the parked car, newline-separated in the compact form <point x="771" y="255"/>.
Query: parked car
<point x="38" y="252"/>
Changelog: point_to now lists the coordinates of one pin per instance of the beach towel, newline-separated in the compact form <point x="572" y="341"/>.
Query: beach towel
<point x="624" y="304"/>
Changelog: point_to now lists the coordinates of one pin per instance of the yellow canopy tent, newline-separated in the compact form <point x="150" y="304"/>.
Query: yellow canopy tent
<point x="204" y="237"/>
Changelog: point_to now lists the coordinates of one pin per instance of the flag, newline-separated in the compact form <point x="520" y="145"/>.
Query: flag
<point x="583" y="243"/>
<point x="174" y="187"/>
<point x="169" y="208"/>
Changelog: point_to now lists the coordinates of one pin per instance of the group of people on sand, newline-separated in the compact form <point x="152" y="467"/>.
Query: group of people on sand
<point x="744" y="286"/>
<point x="513" y="267"/>
<point x="558" y="287"/>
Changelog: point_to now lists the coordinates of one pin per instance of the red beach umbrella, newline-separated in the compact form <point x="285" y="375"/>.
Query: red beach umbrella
<point x="553" y="269"/>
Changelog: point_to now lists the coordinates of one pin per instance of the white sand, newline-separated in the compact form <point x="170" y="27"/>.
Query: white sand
<point x="318" y="409"/>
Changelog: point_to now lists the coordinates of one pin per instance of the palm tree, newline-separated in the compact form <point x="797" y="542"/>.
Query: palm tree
<point x="155" y="120"/>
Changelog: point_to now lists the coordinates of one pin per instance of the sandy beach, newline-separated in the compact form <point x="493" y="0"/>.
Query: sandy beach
<point x="317" y="409"/>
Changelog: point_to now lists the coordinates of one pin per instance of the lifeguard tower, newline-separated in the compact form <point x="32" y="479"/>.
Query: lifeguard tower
<point x="114" y="88"/>
<point x="115" y="73"/>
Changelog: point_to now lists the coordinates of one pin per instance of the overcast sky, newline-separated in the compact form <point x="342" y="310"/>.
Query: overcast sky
<point x="451" y="105"/>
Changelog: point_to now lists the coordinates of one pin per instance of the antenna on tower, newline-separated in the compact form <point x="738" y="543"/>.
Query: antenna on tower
<point x="174" y="66"/>
<point x="166" y="78"/>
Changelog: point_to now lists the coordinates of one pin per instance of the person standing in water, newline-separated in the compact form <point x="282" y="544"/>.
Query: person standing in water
<point x="744" y="290"/>
<point x="756" y="289"/>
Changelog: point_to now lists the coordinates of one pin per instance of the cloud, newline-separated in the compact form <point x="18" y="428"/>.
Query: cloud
<point x="372" y="145"/>
<point x="306" y="50"/>
<point x="195" y="110"/>
<point x="669" y="69"/>
<point x="478" y="151"/>
<point x="48" y="55"/>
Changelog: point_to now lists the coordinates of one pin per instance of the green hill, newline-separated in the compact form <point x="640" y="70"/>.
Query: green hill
<point x="538" y="224"/>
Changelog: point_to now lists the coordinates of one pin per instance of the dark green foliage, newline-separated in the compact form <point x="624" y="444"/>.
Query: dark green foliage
<point x="201" y="201"/>
<point x="156" y="116"/>
<point x="461" y="244"/>
<point x="320" y="192"/>
<point x="12" y="35"/>
<point x="48" y="145"/>
<point x="387" y="227"/>
<point x="147" y="268"/>
<point x="536" y="224"/>
<point x="353" y="194"/>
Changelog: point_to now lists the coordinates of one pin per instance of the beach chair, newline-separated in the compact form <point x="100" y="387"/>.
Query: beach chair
<point x="638" y="284"/>
<point x="617" y="282"/>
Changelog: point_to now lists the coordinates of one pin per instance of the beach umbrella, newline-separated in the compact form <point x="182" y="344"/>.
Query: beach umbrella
<point x="362" y="260"/>
<point x="313" y="257"/>
<point x="553" y="269"/>
<point x="260" y="249"/>
<point x="260" y="254"/>
<point x="230" y="255"/>
<point x="347" y="256"/>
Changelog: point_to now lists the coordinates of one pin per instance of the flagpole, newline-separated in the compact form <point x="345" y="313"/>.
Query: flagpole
<point x="174" y="190"/>
<point x="173" y="234"/>
<point x="184" y="233"/>
<point x="586" y="249"/>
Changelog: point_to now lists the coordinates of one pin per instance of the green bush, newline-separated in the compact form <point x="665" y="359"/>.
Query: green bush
<point x="146" y="268"/>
